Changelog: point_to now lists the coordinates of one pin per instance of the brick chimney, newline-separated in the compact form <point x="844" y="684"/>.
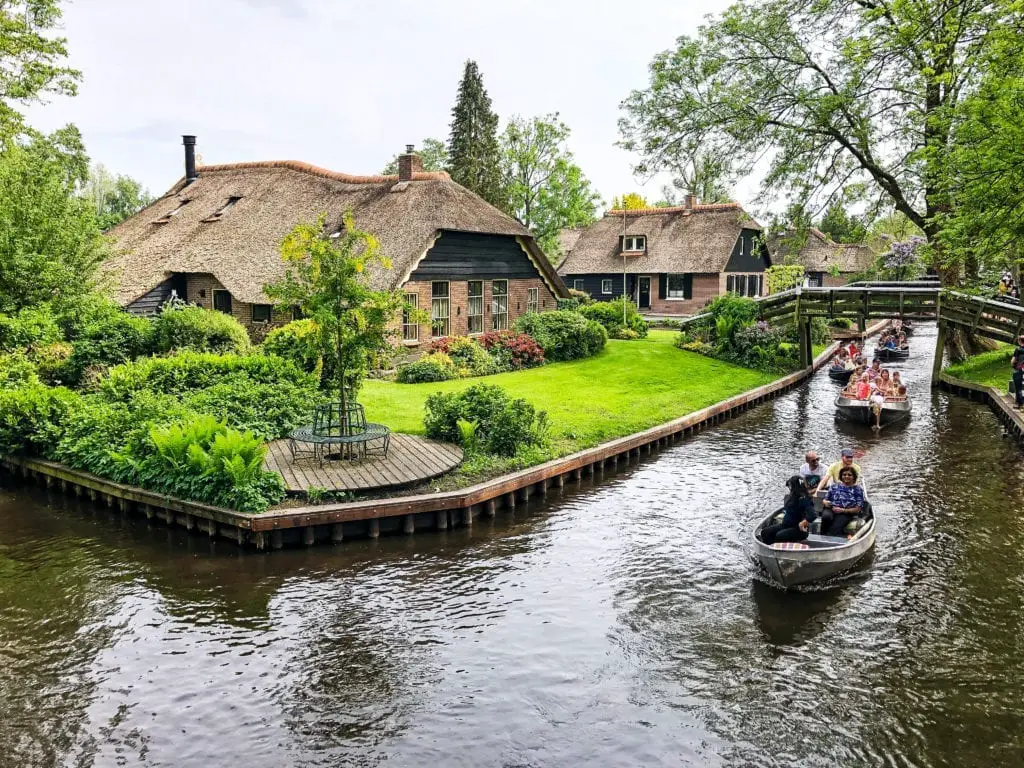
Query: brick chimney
<point x="689" y="202"/>
<point x="409" y="163"/>
<point x="190" y="159"/>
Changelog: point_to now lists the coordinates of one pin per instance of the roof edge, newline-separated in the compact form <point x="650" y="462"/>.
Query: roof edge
<point x="675" y="209"/>
<point x="315" y="170"/>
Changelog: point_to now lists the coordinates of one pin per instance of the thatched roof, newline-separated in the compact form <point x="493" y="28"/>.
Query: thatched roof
<point x="820" y="254"/>
<point x="679" y="239"/>
<point x="241" y="246"/>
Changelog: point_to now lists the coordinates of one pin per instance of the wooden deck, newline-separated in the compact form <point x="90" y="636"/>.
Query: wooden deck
<point x="410" y="460"/>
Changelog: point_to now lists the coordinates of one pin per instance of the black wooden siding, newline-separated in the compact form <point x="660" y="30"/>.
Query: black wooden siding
<point x="592" y="285"/>
<point x="471" y="256"/>
<point x="753" y="258"/>
<point x="150" y="303"/>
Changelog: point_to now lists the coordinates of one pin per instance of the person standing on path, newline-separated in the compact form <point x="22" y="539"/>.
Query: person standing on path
<point x="1017" y="361"/>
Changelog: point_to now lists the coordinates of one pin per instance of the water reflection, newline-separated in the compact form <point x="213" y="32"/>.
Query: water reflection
<point x="618" y="624"/>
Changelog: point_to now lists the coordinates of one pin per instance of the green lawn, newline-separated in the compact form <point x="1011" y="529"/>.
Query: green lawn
<point x="629" y="387"/>
<point x="992" y="369"/>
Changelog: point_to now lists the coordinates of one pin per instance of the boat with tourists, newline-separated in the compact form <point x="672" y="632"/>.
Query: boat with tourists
<point x="888" y="354"/>
<point x="892" y="410"/>
<point x="818" y="557"/>
<point x="840" y="373"/>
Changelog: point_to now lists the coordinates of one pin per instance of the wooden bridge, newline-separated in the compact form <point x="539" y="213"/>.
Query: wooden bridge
<point x="921" y="300"/>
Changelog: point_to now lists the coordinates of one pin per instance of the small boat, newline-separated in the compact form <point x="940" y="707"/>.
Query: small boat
<point x="861" y="410"/>
<point x="840" y="374"/>
<point x="886" y="354"/>
<point x="817" y="557"/>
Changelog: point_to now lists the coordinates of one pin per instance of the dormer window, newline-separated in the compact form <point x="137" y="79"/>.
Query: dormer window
<point x="223" y="209"/>
<point x="168" y="216"/>
<point x="634" y="243"/>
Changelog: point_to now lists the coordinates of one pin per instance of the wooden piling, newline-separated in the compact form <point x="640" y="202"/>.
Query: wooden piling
<point x="337" y="533"/>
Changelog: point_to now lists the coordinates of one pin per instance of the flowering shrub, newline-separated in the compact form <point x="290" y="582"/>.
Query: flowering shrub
<point x="904" y="258"/>
<point x="513" y="351"/>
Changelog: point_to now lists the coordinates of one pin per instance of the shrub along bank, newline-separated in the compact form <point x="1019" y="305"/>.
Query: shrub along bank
<point x="192" y="424"/>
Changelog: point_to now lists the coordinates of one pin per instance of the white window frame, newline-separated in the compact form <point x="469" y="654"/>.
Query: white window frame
<point x="606" y="287"/>
<point x="270" y="313"/>
<point x="533" y="299"/>
<point x="668" y="286"/>
<point x="410" y="330"/>
<point x="634" y="243"/>
<point x="440" y="310"/>
<point x="499" y="306"/>
<point x="474" y="302"/>
<point x="577" y="285"/>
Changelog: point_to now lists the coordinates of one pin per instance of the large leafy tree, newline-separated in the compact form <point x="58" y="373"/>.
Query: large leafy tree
<point x="433" y="156"/>
<point x="544" y="187"/>
<point x="114" y="198"/>
<point x="631" y="201"/>
<point x="328" y="279"/>
<point x="32" y="59"/>
<point x="839" y="97"/>
<point x="704" y="176"/>
<point x="474" y="155"/>
<point x="50" y="243"/>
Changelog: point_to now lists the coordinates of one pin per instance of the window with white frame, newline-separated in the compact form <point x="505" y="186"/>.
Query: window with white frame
<point x="410" y="329"/>
<point x="577" y="285"/>
<point x="676" y="287"/>
<point x="440" y="309"/>
<point x="499" y="305"/>
<point x="634" y="243"/>
<point x="606" y="286"/>
<point x="532" y="299"/>
<point x="475" y="307"/>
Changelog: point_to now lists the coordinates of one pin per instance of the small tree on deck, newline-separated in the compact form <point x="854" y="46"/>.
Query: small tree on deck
<point x="327" y="277"/>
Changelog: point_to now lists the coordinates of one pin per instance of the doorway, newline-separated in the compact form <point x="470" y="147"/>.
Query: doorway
<point x="643" y="292"/>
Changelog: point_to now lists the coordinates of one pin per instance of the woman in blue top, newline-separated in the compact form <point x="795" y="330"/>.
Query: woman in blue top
<point x="798" y="512"/>
<point x="845" y="501"/>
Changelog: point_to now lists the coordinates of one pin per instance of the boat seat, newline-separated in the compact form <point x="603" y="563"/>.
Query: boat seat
<point x="790" y="545"/>
<point x="818" y="538"/>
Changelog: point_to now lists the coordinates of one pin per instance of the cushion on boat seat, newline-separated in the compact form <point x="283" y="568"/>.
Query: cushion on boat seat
<point x="779" y="518"/>
<point x="789" y="545"/>
<point x="855" y="525"/>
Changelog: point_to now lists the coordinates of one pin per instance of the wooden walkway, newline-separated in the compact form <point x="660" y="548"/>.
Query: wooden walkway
<point x="410" y="460"/>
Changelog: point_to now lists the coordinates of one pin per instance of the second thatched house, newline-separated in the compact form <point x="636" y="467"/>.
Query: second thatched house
<point x="669" y="261"/>
<point x="214" y="240"/>
<point x="826" y="263"/>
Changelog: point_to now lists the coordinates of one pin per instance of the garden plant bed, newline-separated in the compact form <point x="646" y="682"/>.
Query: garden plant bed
<point x="335" y="522"/>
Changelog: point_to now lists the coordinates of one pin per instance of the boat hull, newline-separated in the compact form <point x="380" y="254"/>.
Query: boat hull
<point x="840" y="374"/>
<point x="820" y="562"/>
<point x="860" y="411"/>
<point x="888" y="355"/>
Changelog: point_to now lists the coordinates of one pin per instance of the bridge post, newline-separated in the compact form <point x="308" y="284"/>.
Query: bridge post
<point x="806" y="348"/>
<point x="940" y="347"/>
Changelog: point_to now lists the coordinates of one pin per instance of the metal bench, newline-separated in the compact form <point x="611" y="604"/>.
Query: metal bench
<point x="334" y="426"/>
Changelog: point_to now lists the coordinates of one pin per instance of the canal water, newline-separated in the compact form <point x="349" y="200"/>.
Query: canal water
<point x="617" y="624"/>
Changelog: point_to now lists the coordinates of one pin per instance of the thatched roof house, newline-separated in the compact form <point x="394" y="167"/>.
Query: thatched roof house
<point x="219" y="229"/>
<point x="826" y="262"/>
<point x="675" y="259"/>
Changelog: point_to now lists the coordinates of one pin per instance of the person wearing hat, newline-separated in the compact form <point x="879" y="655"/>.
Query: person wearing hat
<point x="832" y="473"/>
<point x="798" y="514"/>
<point x="1017" y="361"/>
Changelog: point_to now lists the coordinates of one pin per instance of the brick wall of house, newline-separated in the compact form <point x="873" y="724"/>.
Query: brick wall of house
<point x="199" y="290"/>
<point x="705" y="288"/>
<point x="827" y="281"/>
<point x="458" y="293"/>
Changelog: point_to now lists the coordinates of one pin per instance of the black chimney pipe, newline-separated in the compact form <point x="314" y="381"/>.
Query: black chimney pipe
<point x="190" y="159"/>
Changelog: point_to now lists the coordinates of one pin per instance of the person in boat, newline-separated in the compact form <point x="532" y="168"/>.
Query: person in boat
<point x="1017" y="363"/>
<point x="882" y="383"/>
<point x="843" y="503"/>
<point x="832" y="473"/>
<point x="898" y="394"/>
<point x="849" y="365"/>
<point x="875" y="369"/>
<point x="853" y="349"/>
<point x="890" y="343"/>
<point x="897" y="382"/>
<point x="861" y="389"/>
<point x="880" y="391"/>
<point x="811" y="470"/>
<point x="798" y="514"/>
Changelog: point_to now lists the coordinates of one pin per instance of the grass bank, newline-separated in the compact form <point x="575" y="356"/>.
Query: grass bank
<point x="991" y="369"/>
<point x="629" y="387"/>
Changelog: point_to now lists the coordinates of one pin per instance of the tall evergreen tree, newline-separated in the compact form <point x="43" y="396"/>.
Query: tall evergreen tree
<point x="474" y="156"/>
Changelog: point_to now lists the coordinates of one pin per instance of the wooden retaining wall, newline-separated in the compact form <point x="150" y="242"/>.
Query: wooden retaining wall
<point x="1013" y="420"/>
<point x="333" y="523"/>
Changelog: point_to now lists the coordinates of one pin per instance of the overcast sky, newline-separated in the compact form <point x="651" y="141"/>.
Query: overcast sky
<point x="346" y="85"/>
